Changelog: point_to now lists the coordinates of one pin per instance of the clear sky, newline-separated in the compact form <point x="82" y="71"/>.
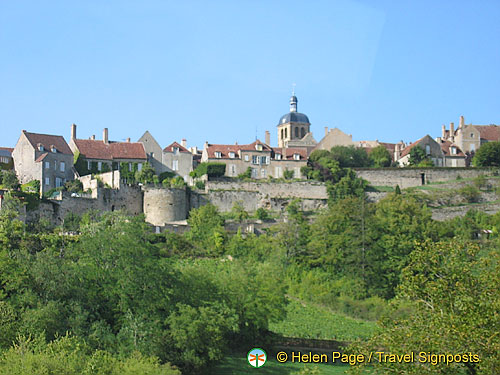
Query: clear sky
<point x="222" y="71"/>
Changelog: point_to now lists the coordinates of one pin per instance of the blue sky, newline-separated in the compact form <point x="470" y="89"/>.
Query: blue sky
<point x="222" y="71"/>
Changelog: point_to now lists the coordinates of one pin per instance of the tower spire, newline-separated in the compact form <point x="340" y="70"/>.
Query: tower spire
<point x="293" y="100"/>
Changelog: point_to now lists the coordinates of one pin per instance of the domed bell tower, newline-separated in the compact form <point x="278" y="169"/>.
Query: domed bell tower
<point x="293" y="125"/>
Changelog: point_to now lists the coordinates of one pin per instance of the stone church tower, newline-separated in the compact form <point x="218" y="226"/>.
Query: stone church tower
<point x="293" y="126"/>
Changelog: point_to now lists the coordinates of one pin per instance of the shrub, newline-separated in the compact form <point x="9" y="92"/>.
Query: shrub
<point x="10" y="180"/>
<point x="210" y="169"/>
<point x="470" y="193"/>
<point x="31" y="187"/>
<point x="74" y="186"/>
<point x="200" y="185"/>
<point x="166" y="175"/>
<point x="262" y="214"/>
<point x="288" y="174"/>
<point x="246" y="174"/>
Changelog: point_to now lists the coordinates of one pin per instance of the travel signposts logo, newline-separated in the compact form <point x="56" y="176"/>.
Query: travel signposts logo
<point x="256" y="357"/>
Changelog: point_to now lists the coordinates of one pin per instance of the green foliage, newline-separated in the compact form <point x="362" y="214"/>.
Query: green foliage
<point x="9" y="180"/>
<point x="166" y="175"/>
<point x="238" y="212"/>
<point x="146" y="174"/>
<point x="488" y="155"/>
<point x="350" y="156"/>
<point x="74" y="186"/>
<point x="211" y="169"/>
<point x="72" y="222"/>
<point x="288" y="174"/>
<point x="80" y="164"/>
<point x="469" y="193"/>
<point x="262" y="214"/>
<point x="200" y="185"/>
<point x="397" y="190"/>
<point x="71" y="356"/>
<point x="480" y="182"/>
<point x="31" y="187"/>
<point x="455" y="292"/>
<point x="128" y="172"/>
<point x="207" y="229"/>
<point x="246" y="174"/>
<point x="349" y="186"/>
<point x="178" y="182"/>
<point x="6" y="167"/>
<point x="380" y="157"/>
<point x="316" y="322"/>
<point x="417" y="155"/>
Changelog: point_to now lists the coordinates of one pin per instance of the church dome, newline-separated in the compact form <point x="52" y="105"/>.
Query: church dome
<point x="294" y="117"/>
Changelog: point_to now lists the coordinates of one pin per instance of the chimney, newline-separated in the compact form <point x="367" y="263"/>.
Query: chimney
<point x="443" y="132"/>
<point x="462" y="122"/>
<point x="205" y="145"/>
<point x="268" y="138"/>
<point x="326" y="131"/>
<point x="92" y="137"/>
<point x="194" y="150"/>
<point x="184" y="143"/>
<point x="73" y="131"/>
<point x="128" y="140"/>
<point x="452" y="129"/>
<point x="105" y="135"/>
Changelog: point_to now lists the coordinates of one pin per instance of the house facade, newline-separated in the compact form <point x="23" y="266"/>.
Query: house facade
<point x="263" y="160"/>
<point x="43" y="157"/>
<point x="6" y="161"/>
<point x="105" y="155"/>
<point x="177" y="158"/>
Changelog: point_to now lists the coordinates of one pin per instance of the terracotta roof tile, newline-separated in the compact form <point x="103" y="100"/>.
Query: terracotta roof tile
<point x="408" y="148"/>
<point x="96" y="149"/>
<point x="170" y="148"/>
<point x="226" y="149"/>
<point x="47" y="141"/>
<point x="489" y="132"/>
<point x="446" y="147"/>
<point x="289" y="152"/>
<point x="41" y="157"/>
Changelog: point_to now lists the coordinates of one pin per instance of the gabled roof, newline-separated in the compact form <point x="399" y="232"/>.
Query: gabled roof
<point x="489" y="132"/>
<point x="408" y="148"/>
<point x="290" y="151"/>
<point x="41" y="157"/>
<point x="6" y="151"/>
<point x="47" y="141"/>
<point x="170" y="148"/>
<point x="226" y="149"/>
<point x="96" y="149"/>
<point x="446" y="147"/>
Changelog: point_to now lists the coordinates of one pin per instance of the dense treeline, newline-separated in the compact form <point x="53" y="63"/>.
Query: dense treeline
<point x="125" y="298"/>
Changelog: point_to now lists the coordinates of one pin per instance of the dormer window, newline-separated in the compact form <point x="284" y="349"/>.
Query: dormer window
<point x="453" y="150"/>
<point x="40" y="147"/>
<point x="232" y="155"/>
<point x="296" y="156"/>
<point x="472" y="135"/>
<point x="176" y="150"/>
<point x="53" y="149"/>
<point x="258" y="147"/>
<point x="277" y="156"/>
<point x="218" y="154"/>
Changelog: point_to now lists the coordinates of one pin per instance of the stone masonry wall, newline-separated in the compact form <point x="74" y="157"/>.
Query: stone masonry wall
<point x="163" y="205"/>
<point x="408" y="177"/>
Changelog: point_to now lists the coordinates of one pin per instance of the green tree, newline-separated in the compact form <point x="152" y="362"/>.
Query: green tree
<point x="288" y="174"/>
<point x="488" y="155"/>
<point x="380" y="157"/>
<point x="207" y="229"/>
<point x="349" y="185"/>
<point x="238" y="212"/>
<point x="350" y="156"/>
<point x="417" y="155"/>
<point x="10" y="180"/>
<point x="146" y="174"/>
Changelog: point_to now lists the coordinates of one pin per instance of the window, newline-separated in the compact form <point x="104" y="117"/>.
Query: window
<point x="175" y="165"/>
<point x="263" y="172"/>
<point x="62" y="166"/>
<point x="296" y="132"/>
<point x="53" y="149"/>
<point x="281" y="133"/>
<point x="427" y="149"/>
<point x="255" y="159"/>
<point x="176" y="150"/>
<point x="453" y="150"/>
<point x="258" y="147"/>
<point x="139" y="167"/>
<point x="232" y="170"/>
<point x="55" y="165"/>
<point x="254" y="173"/>
<point x="47" y="181"/>
<point x="472" y="135"/>
<point x="4" y="160"/>
<point x="278" y="172"/>
<point x="231" y="155"/>
<point x="89" y="165"/>
<point x="296" y="156"/>
<point x="218" y="154"/>
<point x="130" y="167"/>
<point x="246" y="158"/>
<point x="277" y="156"/>
<point x="58" y="182"/>
<point x="263" y="160"/>
<point x="473" y="147"/>
<point x="285" y="134"/>
<point x="99" y="165"/>
<point x="47" y="165"/>
<point x="41" y="148"/>
<point x="302" y="132"/>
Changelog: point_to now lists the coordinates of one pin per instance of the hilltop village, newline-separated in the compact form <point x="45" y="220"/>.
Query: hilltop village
<point x="164" y="183"/>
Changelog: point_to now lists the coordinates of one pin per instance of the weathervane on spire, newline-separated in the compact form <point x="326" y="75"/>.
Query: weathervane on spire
<point x="293" y="89"/>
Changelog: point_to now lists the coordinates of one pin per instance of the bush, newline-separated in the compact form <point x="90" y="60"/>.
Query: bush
<point x="31" y="187"/>
<point x="470" y="193"/>
<point x="74" y="186"/>
<point x="246" y="174"/>
<point x="210" y="169"/>
<point x="166" y="175"/>
<point x="10" y="180"/>
<point x="262" y="214"/>
<point x="288" y="174"/>
<point x="200" y="185"/>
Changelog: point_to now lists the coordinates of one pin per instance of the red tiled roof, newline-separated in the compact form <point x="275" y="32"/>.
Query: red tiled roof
<point x="226" y="149"/>
<point x="489" y="132"/>
<point x="8" y="149"/>
<point x="47" y="141"/>
<point x="446" y="147"/>
<point x="95" y="149"/>
<point x="289" y="152"/>
<point x="175" y="144"/>
<point x="408" y="148"/>
<point x="41" y="157"/>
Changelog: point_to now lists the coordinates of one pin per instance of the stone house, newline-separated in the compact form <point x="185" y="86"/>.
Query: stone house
<point x="178" y="159"/>
<point x="430" y="146"/>
<point x="153" y="151"/>
<point x="334" y="137"/>
<point x="263" y="160"/>
<point x="105" y="155"/>
<point x="470" y="137"/>
<point x="43" y="157"/>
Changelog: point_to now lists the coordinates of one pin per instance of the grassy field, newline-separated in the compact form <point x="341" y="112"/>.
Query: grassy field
<point x="314" y="322"/>
<point x="238" y="365"/>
